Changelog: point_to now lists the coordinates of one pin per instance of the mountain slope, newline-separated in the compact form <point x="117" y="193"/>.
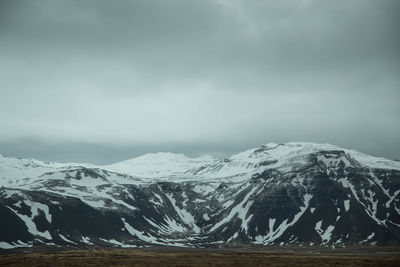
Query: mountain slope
<point x="300" y="193"/>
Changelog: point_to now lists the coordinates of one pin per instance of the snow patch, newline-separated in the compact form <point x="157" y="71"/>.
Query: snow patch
<point x="238" y="209"/>
<point x="186" y="217"/>
<point x="18" y="244"/>
<point x="66" y="239"/>
<point x="324" y="234"/>
<point x="346" y="205"/>
<point x="274" y="234"/>
<point x="31" y="225"/>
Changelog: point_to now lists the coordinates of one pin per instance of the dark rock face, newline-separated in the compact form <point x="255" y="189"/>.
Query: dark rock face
<point x="325" y="197"/>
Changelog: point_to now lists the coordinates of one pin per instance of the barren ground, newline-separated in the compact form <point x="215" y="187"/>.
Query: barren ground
<point x="159" y="256"/>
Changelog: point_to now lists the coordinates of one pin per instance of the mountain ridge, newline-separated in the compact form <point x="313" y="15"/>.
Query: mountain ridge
<point x="293" y="193"/>
<point x="159" y="156"/>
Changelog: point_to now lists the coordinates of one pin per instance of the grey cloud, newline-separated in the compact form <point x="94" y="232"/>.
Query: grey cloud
<point x="191" y="74"/>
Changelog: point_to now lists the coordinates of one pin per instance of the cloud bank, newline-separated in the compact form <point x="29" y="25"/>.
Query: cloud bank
<point x="222" y="75"/>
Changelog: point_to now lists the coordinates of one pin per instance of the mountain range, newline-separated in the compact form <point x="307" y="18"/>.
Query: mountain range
<point x="277" y="194"/>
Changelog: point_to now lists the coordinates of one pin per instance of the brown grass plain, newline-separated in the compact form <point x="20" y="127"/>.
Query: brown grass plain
<point x="199" y="257"/>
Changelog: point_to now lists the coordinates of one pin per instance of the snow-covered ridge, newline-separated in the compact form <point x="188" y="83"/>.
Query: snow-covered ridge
<point x="160" y="164"/>
<point x="284" y="157"/>
<point x="16" y="171"/>
<point x="287" y="151"/>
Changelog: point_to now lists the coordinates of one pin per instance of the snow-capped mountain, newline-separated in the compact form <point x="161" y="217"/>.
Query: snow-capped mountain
<point x="158" y="165"/>
<point x="293" y="193"/>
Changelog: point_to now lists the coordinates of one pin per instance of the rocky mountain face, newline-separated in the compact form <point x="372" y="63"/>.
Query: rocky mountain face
<point x="294" y="193"/>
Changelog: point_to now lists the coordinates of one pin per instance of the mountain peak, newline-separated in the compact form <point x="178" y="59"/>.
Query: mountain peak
<point x="160" y="164"/>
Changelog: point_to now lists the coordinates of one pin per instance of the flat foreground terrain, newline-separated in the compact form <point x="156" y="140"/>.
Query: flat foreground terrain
<point x="143" y="257"/>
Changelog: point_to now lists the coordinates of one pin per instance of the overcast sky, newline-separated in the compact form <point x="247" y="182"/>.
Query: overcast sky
<point x="101" y="81"/>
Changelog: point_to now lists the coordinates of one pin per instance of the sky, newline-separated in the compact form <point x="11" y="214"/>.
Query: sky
<point x="101" y="81"/>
